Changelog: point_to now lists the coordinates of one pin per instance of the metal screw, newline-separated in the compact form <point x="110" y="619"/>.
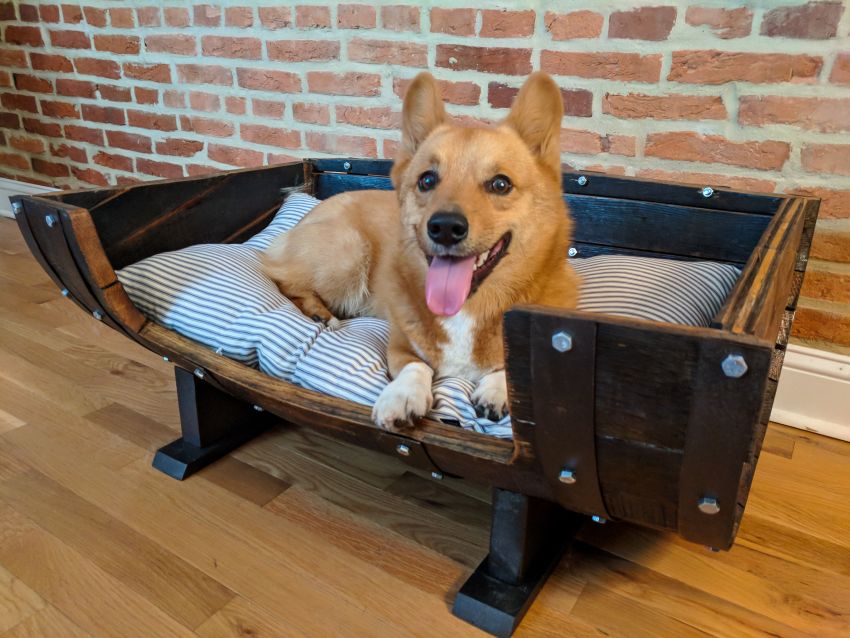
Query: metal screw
<point x="582" y="180"/>
<point x="567" y="476"/>
<point x="572" y="252"/>
<point x="17" y="208"/>
<point x="708" y="505"/>
<point x="50" y="220"/>
<point x="437" y="475"/>
<point x="166" y="359"/>
<point x="707" y="191"/>
<point x="599" y="519"/>
<point x="65" y="292"/>
<point x="562" y="341"/>
<point x="346" y="165"/>
<point x="734" y="366"/>
<point x="258" y="408"/>
<point x="402" y="449"/>
<point x="97" y="314"/>
<point x="199" y="372"/>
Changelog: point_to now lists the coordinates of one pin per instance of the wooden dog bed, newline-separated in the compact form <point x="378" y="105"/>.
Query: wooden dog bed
<point x="652" y="423"/>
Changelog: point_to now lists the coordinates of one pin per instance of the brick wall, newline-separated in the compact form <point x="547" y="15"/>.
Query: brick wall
<point x="713" y="93"/>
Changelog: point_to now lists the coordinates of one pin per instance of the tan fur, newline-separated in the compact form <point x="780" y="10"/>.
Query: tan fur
<point x="363" y="253"/>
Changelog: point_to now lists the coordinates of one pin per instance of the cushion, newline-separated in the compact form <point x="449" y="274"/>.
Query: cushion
<point x="218" y="296"/>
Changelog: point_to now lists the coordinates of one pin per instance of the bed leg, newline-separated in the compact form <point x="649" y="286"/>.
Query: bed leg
<point x="213" y="423"/>
<point x="527" y="539"/>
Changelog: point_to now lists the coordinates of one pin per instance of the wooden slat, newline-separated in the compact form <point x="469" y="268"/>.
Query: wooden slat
<point x="330" y="184"/>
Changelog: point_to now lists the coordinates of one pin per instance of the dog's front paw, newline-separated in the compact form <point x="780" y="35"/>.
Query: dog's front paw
<point x="491" y="396"/>
<point x="407" y="397"/>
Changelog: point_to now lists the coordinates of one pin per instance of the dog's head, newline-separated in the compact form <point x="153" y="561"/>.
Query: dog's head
<point x="478" y="201"/>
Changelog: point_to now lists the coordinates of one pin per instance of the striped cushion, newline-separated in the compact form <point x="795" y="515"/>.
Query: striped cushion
<point x="218" y="296"/>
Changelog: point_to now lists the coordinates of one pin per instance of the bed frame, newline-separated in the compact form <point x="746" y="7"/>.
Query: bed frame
<point x="613" y="418"/>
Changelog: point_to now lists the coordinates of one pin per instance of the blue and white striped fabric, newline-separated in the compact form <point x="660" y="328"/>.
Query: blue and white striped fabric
<point x="218" y="296"/>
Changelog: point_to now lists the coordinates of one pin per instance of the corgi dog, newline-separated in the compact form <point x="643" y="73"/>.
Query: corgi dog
<point x="476" y="224"/>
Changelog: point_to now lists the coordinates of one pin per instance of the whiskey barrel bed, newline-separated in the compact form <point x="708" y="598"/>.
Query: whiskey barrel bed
<point x="652" y="423"/>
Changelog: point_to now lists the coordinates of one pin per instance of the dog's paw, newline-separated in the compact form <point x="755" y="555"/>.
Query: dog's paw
<point x="407" y="397"/>
<point x="491" y="396"/>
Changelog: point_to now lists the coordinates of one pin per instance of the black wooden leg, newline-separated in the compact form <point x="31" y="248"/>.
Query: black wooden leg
<point x="527" y="538"/>
<point x="213" y="423"/>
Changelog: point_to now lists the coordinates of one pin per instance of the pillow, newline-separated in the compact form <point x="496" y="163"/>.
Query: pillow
<point x="218" y="296"/>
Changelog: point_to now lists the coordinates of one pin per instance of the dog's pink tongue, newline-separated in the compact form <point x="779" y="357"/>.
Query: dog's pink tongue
<point x="448" y="283"/>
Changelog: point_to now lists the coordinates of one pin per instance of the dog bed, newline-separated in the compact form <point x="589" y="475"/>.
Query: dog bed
<point x="217" y="295"/>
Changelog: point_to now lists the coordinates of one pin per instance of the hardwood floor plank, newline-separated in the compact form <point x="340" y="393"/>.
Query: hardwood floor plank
<point x="240" y="618"/>
<point x="46" y="623"/>
<point x="17" y="601"/>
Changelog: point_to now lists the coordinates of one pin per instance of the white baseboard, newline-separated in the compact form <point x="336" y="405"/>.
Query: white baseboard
<point x="814" y="392"/>
<point x="9" y="187"/>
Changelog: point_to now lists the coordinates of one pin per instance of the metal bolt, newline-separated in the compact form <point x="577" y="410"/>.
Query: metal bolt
<point x="562" y="341"/>
<point x="346" y="165"/>
<point x="402" y="449"/>
<point x="97" y="314"/>
<point x="734" y="366"/>
<point x="50" y="220"/>
<point x="567" y="476"/>
<point x="707" y="191"/>
<point x="199" y="372"/>
<point x="599" y="519"/>
<point x="65" y="292"/>
<point x="258" y="408"/>
<point x="572" y="252"/>
<point x="17" y="208"/>
<point x="582" y="180"/>
<point x="708" y="505"/>
<point x="166" y="359"/>
<point x="437" y="475"/>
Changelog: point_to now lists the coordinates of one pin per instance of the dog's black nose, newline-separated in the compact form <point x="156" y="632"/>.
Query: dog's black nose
<point x="447" y="229"/>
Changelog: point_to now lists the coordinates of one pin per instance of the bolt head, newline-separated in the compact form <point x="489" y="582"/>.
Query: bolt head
<point x="562" y="341"/>
<point x="50" y="220"/>
<point x="199" y="372"/>
<point x="599" y="520"/>
<point x="708" y="505"/>
<point x="65" y="292"/>
<point x="582" y="180"/>
<point x="402" y="449"/>
<point x="437" y="475"/>
<point x="166" y="359"/>
<point x="17" y="208"/>
<point x="707" y="191"/>
<point x="97" y="314"/>
<point x="572" y="252"/>
<point x="735" y="366"/>
<point x="346" y="165"/>
<point x="258" y="408"/>
<point x="568" y="477"/>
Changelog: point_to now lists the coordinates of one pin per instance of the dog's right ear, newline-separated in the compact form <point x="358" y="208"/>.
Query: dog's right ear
<point x="423" y="111"/>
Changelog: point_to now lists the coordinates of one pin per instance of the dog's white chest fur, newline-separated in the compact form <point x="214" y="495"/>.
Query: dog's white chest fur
<point x="457" y="350"/>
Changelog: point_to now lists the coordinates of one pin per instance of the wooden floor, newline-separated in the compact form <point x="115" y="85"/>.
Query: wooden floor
<point x="297" y="535"/>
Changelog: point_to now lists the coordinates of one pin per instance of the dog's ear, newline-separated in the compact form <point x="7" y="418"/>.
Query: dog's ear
<point x="423" y="111"/>
<point x="536" y="115"/>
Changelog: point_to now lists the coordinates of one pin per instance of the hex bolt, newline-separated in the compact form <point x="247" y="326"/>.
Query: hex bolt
<point x="50" y="220"/>
<point x="599" y="520"/>
<point x="707" y="191"/>
<point x="258" y="408"/>
<point x="166" y="359"/>
<point x="708" y="505"/>
<point x="562" y="341"/>
<point x="97" y="314"/>
<point x="199" y="372"/>
<point x="402" y="449"/>
<point x="582" y="180"/>
<point x="568" y="477"/>
<point x="437" y="475"/>
<point x="734" y="366"/>
<point x="572" y="252"/>
<point x="17" y="208"/>
<point x="346" y="165"/>
<point x="65" y="292"/>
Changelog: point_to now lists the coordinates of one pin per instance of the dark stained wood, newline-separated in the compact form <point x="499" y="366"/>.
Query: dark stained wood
<point x="330" y="184"/>
<point x="354" y="166"/>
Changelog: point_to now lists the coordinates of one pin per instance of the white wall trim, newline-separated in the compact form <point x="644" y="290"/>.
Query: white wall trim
<point x="9" y="187"/>
<point x="814" y="392"/>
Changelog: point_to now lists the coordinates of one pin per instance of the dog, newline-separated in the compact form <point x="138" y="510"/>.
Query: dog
<point x="475" y="225"/>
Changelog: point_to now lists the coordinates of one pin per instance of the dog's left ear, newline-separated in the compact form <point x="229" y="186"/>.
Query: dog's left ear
<point x="536" y="115"/>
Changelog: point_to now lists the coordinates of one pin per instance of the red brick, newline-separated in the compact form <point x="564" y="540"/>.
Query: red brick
<point x="574" y="25"/>
<point x="724" y="23"/>
<point x="27" y="144"/>
<point x="388" y="52"/>
<point x="207" y="15"/>
<point x="13" y="160"/>
<point x="47" y="129"/>
<point x="303" y="50"/>
<point x="821" y="114"/>
<point x="270" y="136"/>
<point x="694" y="147"/>
<point x="834" y="204"/>
<point x="155" y="121"/>
<point x="827" y="158"/>
<point x="119" y="44"/>
<point x="62" y="110"/>
<point x="101" y="68"/>
<point x="234" y="156"/>
<point x="275" y="17"/>
<point x="174" y="99"/>
<point x="201" y="169"/>
<point x="345" y="145"/>
<point x="280" y="158"/>
<point x="263" y="80"/>
<point x="29" y="36"/>
<point x="664" y="107"/>
<point x="235" y="105"/>
<point x="453" y="21"/>
<point x="709" y="179"/>
<point x="49" y="13"/>
<point x="178" y="147"/>
<point x="453" y="92"/>
<point x="105" y="114"/>
<point x="400" y="17"/>
<point x="10" y="120"/>
<point x="76" y="88"/>
<point x="176" y="16"/>
<point x="355" y="16"/>
<point x="51" y="169"/>
<point x="146" y="96"/>
<point x="501" y="60"/>
<point x="201" y="101"/>
<point x="501" y="23"/>
<point x="29" y="13"/>
<point x="811" y="21"/>
<point x="577" y="102"/>
<point x="113" y="93"/>
<point x="644" y="23"/>
<point x="841" y="70"/>
<point x="43" y="62"/>
<point x="227" y="47"/>
<point x="90" y="176"/>
<point x="368" y="117"/>
<point x="110" y="160"/>
<point x="69" y="39"/>
<point x="311" y="113"/>
<point x="18" y="58"/>
<point x="308" y="17"/>
<point x="177" y="44"/>
<point x="631" y="67"/>
<point x="6" y="79"/>
<point x="822" y="325"/>
<point x="72" y="14"/>
<point x="204" y="74"/>
<point x="718" y="67"/>
<point x="390" y="149"/>
<point x="241" y="17"/>
<point x="32" y="83"/>
<point x="126" y="180"/>
<point x="831" y="245"/>
<point x="95" y="17"/>
<point x="344" y="83"/>
<point x="268" y="108"/>
<point x="84" y="134"/>
<point x="128" y="141"/>
<point x="160" y="169"/>
<point x="7" y="11"/>
<point x="148" y="72"/>
<point x="825" y="285"/>
<point x="18" y="102"/>
<point x="74" y="153"/>
<point x="121" y="17"/>
<point x="149" y="16"/>
<point x="206" y="126"/>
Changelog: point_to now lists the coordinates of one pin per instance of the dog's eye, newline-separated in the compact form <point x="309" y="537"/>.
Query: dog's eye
<point x="500" y="185"/>
<point x="427" y="181"/>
